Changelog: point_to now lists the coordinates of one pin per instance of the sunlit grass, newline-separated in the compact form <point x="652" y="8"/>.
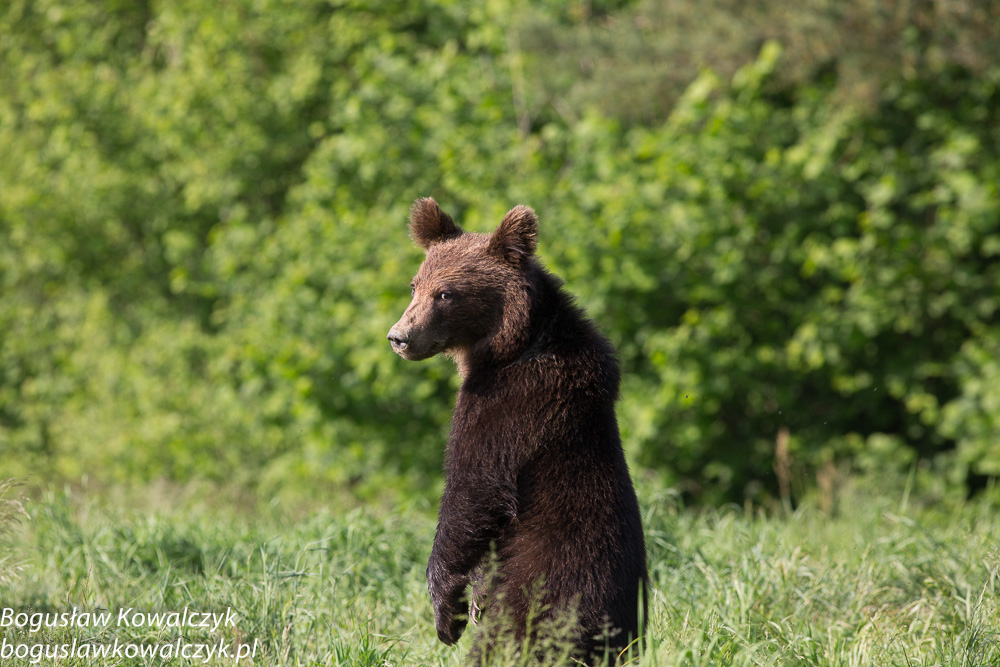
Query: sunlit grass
<point x="879" y="584"/>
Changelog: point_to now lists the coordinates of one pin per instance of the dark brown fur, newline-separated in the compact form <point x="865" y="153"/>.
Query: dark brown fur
<point x="534" y="467"/>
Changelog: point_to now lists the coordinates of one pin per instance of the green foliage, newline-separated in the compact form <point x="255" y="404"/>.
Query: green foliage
<point x="202" y="233"/>
<point x="799" y="266"/>
<point x="196" y="280"/>
<point x="635" y="63"/>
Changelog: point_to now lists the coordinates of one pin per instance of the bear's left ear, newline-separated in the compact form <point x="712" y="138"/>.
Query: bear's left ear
<point x="516" y="237"/>
<point x="430" y="225"/>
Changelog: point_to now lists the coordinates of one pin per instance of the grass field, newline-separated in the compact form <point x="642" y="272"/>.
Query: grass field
<point x="885" y="582"/>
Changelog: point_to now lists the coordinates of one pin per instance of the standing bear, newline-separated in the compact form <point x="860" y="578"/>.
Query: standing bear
<point x="539" y="514"/>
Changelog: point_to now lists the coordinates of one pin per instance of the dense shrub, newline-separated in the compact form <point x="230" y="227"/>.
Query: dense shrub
<point x="202" y="244"/>
<point x="797" y="266"/>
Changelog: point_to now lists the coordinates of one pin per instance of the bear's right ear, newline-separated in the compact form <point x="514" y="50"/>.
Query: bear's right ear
<point x="430" y="225"/>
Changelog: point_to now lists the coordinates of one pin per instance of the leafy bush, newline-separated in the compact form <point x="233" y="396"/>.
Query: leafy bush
<point x="799" y="266"/>
<point x="202" y="244"/>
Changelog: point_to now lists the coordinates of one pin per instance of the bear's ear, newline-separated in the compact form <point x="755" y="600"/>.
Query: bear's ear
<point x="517" y="236"/>
<point x="430" y="225"/>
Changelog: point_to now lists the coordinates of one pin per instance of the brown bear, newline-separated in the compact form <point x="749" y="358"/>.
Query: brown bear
<point x="535" y="477"/>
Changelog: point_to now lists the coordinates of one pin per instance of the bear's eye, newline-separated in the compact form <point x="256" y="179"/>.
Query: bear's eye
<point x="413" y="290"/>
<point x="444" y="296"/>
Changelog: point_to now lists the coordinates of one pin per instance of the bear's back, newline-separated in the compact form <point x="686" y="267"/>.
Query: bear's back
<point x="547" y="420"/>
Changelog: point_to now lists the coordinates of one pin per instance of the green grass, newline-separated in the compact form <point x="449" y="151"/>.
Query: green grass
<point x="880" y="584"/>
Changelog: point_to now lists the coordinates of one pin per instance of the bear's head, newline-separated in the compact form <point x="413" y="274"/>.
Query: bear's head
<point x="472" y="291"/>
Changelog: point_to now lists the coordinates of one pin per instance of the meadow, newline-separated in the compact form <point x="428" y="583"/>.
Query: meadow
<point x="886" y="581"/>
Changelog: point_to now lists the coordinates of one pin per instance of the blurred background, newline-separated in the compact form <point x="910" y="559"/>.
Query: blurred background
<point x="785" y="216"/>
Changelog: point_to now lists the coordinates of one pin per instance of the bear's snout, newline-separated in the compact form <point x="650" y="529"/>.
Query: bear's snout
<point x="398" y="341"/>
<point x="413" y="343"/>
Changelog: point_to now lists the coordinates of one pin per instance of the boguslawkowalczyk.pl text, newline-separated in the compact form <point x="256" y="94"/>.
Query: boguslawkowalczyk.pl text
<point x="118" y="650"/>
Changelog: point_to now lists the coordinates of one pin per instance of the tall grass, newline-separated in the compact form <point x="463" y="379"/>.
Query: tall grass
<point x="11" y="513"/>
<point x="880" y="584"/>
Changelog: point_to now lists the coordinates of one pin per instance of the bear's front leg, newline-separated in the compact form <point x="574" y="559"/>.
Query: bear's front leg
<point x="473" y="515"/>
<point x="451" y="610"/>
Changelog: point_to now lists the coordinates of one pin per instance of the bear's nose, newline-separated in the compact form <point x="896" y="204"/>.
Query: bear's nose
<point x="397" y="341"/>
